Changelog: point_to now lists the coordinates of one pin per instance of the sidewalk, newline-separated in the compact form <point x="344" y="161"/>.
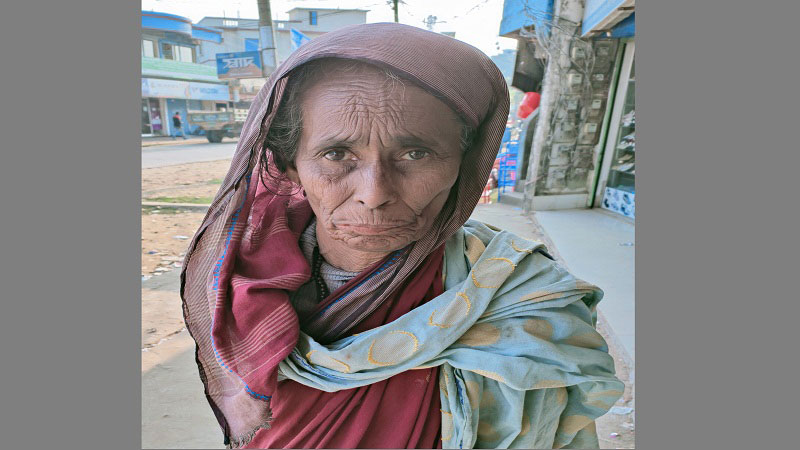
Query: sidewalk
<point x="167" y="140"/>
<point x="175" y="413"/>
<point x="598" y="247"/>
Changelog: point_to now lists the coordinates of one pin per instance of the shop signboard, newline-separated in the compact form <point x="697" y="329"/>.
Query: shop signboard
<point x="182" y="70"/>
<point x="208" y="91"/>
<point x="601" y="15"/>
<point x="239" y="65"/>
<point x="154" y="87"/>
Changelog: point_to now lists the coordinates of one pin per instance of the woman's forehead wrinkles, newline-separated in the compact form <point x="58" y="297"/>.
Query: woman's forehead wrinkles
<point x="400" y="139"/>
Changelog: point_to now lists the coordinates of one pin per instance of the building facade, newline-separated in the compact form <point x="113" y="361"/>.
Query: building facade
<point x="172" y="79"/>
<point x="579" y="55"/>
<point x="241" y="35"/>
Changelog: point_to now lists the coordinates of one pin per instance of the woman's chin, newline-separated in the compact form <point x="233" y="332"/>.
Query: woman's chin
<point x="377" y="243"/>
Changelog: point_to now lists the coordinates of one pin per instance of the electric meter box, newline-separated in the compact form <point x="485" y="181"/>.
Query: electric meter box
<point x="574" y="79"/>
<point x="588" y="133"/>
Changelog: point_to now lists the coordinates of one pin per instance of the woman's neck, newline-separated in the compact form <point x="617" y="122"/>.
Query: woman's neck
<point x="339" y="255"/>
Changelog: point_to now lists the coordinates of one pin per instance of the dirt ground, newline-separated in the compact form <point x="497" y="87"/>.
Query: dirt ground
<point x="166" y="231"/>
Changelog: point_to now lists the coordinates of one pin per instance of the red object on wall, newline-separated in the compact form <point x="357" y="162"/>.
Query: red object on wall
<point x="528" y="104"/>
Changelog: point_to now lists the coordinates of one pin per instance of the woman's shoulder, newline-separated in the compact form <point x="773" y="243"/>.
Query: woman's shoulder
<point x="479" y="235"/>
<point x="486" y="247"/>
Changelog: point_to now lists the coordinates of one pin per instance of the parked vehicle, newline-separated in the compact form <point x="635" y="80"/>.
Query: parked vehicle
<point x="217" y="124"/>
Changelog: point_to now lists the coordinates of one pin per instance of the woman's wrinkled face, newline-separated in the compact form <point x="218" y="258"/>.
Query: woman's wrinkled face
<point x="376" y="157"/>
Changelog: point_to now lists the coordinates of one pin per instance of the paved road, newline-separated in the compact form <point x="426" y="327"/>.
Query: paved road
<point x="168" y="155"/>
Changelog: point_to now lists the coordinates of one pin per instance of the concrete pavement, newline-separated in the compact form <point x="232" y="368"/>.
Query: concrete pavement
<point x="182" y="153"/>
<point x="175" y="413"/>
<point x="598" y="247"/>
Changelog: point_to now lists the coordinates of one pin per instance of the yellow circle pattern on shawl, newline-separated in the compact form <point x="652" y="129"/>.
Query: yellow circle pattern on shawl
<point x="392" y="348"/>
<point x="590" y="339"/>
<point x="474" y="249"/>
<point x="447" y="425"/>
<point x="487" y="432"/>
<point x="480" y="334"/>
<point x="321" y="359"/>
<point x="455" y="311"/>
<point x="521" y="250"/>
<point x="540" y="328"/>
<point x="473" y="388"/>
<point x="526" y="424"/>
<point x="492" y="272"/>
<point x="561" y="395"/>
<point x="543" y="384"/>
<point x="573" y="424"/>
<point x="493" y="375"/>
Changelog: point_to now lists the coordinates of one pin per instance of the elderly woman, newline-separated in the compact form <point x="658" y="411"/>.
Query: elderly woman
<point x="339" y="295"/>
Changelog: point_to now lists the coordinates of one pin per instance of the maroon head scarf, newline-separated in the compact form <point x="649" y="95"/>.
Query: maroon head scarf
<point x="236" y="306"/>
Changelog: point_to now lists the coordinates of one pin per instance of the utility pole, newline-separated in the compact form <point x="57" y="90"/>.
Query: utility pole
<point x="266" y="39"/>
<point x="396" y="18"/>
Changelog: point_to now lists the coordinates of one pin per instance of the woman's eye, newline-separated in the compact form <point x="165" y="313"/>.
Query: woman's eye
<point x="415" y="154"/>
<point x="335" y="155"/>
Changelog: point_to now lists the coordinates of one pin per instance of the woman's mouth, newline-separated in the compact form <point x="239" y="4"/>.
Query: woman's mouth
<point x="371" y="229"/>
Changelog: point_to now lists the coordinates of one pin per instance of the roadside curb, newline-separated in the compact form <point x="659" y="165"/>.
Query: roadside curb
<point x="193" y="206"/>
<point x="173" y="142"/>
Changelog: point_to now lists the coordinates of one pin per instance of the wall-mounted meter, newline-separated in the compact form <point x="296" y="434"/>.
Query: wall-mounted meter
<point x="574" y="79"/>
<point x="588" y="133"/>
<point x="598" y="80"/>
<point x="578" y="53"/>
<point x="603" y="51"/>
<point x="595" y="108"/>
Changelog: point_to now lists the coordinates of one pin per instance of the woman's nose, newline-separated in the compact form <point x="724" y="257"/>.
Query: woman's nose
<point x="375" y="188"/>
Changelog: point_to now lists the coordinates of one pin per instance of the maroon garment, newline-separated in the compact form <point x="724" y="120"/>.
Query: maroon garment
<point x="399" y="412"/>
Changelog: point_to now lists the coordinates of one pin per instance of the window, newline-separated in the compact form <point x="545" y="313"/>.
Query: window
<point x="230" y="23"/>
<point x="185" y="54"/>
<point x="312" y="17"/>
<point x="177" y="52"/>
<point x="166" y="51"/>
<point x="148" y="48"/>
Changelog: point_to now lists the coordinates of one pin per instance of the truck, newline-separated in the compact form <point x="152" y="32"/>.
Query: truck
<point x="217" y="124"/>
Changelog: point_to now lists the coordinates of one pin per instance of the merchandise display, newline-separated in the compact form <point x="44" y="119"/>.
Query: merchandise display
<point x="620" y="187"/>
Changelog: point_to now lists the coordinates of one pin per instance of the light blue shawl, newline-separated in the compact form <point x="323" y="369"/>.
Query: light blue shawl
<point x="521" y="363"/>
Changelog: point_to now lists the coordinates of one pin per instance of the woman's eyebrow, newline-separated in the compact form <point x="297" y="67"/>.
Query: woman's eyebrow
<point x="409" y="140"/>
<point x="335" y="142"/>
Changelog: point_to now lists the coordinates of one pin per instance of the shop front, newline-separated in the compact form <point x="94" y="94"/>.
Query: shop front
<point x="170" y="86"/>
<point x="162" y="98"/>
<point x="152" y="117"/>
<point x="616" y="190"/>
